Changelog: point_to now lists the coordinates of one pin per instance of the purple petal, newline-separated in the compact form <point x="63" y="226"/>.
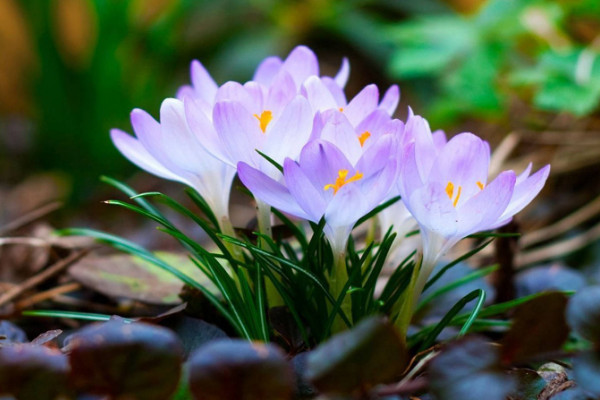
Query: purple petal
<point x="290" y="132"/>
<point x="525" y="191"/>
<point x="483" y="210"/>
<point x="269" y="191"/>
<point x="525" y="174"/>
<point x="439" y="139"/>
<point x="267" y="70"/>
<point x="319" y="97"/>
<point x="203" y="129"/>
<point x="390" y="100"/>
<point x="234" y="91"/>
<point x="300" y="64"/>
<point x="204" y="85"/>
<point x="362" y="104"/>
<point x="185" y="91"/>
<point x="347" y="206"/>
<point x="464" y="161"/>
<point x="433" y="211"/>
<point x="341" y="78"/>
<point x="409" y="178"/>
<point x="339" y="131"/>
<point x="239" y="131"/>
<point x="336" y="91"/>
<point x="281" y="93"/>
<point x="135" y="152"/>
<point x="322" y="161"/>
<point x="308" y="197"/>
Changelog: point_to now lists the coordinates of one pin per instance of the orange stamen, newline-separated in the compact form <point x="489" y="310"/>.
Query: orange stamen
<point x="264" y="119"/>
<point x="341" y="180"/>
<point x="363" y="137"/>
<point x="480" y="185"/>
<point x="450" y="193"/>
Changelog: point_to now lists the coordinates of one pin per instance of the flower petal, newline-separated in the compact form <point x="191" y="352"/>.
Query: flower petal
<point x="482" y="210"/>
<point x="135" y="152"/>
<point x="309" y="198"/>
<point x="390" y="100"/>
<point x="339" y="131"/>
<point x="318" y="95"/>
<point x="336" y="91"/>
<point x="281" y="92"/>
<point x="341" y="78"/>
<point x="269" y="191"/>
<point x="321" y="161"/>
<point x="204" y="85"/>
<point x="525" y="191"/>
<point x="234" y="91"/>
<point x="464" y="161"/>
<point x="201" y="126"/>
<point x="432" y="209"/>
<point x="239" y="132"/>
<point x="362" y="104"/>
<point x="300" y="64"/>
<point x="290" y="132"/>
<point x="267" y="70"/>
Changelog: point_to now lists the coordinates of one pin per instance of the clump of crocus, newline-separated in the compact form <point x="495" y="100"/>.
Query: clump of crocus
<point x="301" y="147"/>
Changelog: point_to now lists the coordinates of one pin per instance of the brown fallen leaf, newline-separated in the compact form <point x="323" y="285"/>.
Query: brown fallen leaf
<point x="125" y="276"/>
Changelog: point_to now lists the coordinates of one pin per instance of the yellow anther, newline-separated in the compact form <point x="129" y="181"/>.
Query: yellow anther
<point x="450" y="193"/>
<point x="480" y="185"/>
<point x="363" y="137"/>
<point x="341" y="109"/>
<point x="450" y="190"/>
<point x="264" y="118"/>
<point x="341" y="180"/>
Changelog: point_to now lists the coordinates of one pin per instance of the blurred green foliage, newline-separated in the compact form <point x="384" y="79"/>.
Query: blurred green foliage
<point x="541" y="50"/>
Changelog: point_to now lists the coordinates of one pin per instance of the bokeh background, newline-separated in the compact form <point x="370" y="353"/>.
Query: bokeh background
<point x="524" y="74"/>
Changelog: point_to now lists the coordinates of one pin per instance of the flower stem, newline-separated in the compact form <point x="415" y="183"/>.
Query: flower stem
<point x="337" y="281"/>
<point x="407" y="304"/>
<point x="263" y="214"/>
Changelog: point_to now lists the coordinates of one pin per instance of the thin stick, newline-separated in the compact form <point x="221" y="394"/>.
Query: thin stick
<point x="48" y="294"/>
<point x="590" y="210"/>
<point x="559" y="248"/>
<point x="30" y="217"/>
<point x="41" y="277"/>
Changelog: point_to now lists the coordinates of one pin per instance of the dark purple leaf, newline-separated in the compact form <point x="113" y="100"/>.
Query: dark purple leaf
<point x="539" y="327"/>
<point x="468" y="369"/>
<point x="356" y="360"/>
<point x="121" y="359"/>
<point x="31" y="372"/>
<point x="240" y="370"/>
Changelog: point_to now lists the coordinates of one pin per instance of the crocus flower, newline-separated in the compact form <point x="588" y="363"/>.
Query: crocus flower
<point x="325" y="183"/>
<point x="446" y="189"/>
<point x="170" y="150"/>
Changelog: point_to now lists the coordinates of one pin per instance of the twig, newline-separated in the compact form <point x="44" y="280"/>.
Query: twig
<point x="48" y="294"/>
<point x="41" y="277"/>
<point x="30" y="217"/>
<point x="590" y="210"/>
<point x="505" y="249"/>
<point x="559" y="249"/>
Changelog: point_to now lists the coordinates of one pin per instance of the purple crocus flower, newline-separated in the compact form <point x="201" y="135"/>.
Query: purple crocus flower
<point x="445" y="187"/>
<point x="325" y="183"/>
<point x="170" y="150"/>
